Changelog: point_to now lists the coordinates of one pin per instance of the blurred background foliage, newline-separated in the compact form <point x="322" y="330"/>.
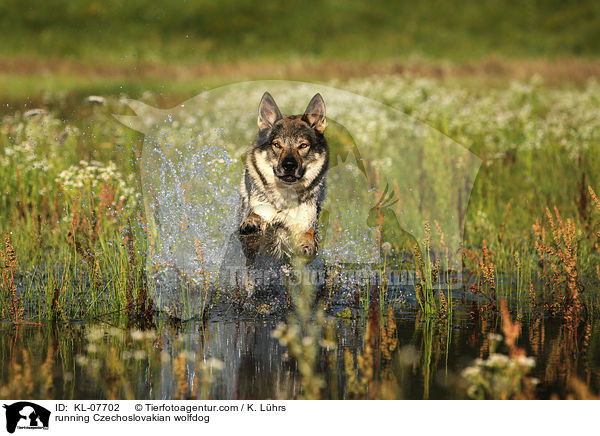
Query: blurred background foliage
<point x="378" y="30"/>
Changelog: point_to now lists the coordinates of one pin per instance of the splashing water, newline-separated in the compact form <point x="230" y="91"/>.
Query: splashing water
<point x="391" y="178"/>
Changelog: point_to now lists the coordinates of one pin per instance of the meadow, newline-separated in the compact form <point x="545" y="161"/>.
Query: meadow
<point x="79" y="267"/>
<point x="201" y="31"/>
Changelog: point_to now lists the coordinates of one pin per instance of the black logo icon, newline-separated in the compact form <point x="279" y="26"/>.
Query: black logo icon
<point x="32" y="416"/>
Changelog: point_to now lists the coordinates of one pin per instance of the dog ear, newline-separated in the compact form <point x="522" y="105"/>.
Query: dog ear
<point x="268" y="112"/>
<point x="315" y="113"/>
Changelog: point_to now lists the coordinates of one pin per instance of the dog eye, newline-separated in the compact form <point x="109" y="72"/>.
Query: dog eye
<point x="303" y="145"/>
<point x="276" y="145"/>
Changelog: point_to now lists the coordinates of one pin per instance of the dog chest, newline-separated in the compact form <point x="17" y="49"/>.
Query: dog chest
<point x="298" y="219"/>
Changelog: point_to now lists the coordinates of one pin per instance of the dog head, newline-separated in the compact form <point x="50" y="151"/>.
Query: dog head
<point x="294" y="144"/>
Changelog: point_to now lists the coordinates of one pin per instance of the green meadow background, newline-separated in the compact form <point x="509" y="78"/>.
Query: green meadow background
<point x="199" y="31"/>
<point x="177" y="47"/>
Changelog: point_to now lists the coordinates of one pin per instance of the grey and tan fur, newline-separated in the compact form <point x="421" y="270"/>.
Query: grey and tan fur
<point x="283" y="186"/>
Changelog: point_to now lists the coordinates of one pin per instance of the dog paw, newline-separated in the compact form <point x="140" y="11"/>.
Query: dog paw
<point x="308" y="244"/>
<point x="250" y="225"/>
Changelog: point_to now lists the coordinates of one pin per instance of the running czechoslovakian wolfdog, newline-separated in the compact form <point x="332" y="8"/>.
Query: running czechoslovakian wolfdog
<point x="283" y="186"/>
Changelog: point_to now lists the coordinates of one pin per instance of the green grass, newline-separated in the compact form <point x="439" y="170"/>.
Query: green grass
<point x="41" y="89"/>
<point x="201" y="31"/>
<point x="524" y="132"/>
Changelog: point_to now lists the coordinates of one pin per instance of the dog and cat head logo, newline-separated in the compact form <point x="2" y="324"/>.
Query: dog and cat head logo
<point x="26" y="415"/>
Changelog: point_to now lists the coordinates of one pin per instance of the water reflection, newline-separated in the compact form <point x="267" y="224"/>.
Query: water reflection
<point x="402" y="356"/>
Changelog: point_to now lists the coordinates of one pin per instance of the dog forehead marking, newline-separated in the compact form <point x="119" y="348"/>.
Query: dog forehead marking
<point x="292" y="128"/>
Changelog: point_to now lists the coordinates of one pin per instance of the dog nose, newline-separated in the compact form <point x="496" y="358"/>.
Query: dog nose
<point x="289" y="164"/>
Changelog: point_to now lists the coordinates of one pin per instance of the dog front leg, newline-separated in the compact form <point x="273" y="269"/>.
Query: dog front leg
<point x="308" y="243"/>
<point x="250" y="237"/>
<point x="251" y="224"/>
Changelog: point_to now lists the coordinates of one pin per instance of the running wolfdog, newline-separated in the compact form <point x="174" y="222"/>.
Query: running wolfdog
<point x="283" y="186"/>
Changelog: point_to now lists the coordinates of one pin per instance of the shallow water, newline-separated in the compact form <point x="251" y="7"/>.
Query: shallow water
<point x="230" y="356"/>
